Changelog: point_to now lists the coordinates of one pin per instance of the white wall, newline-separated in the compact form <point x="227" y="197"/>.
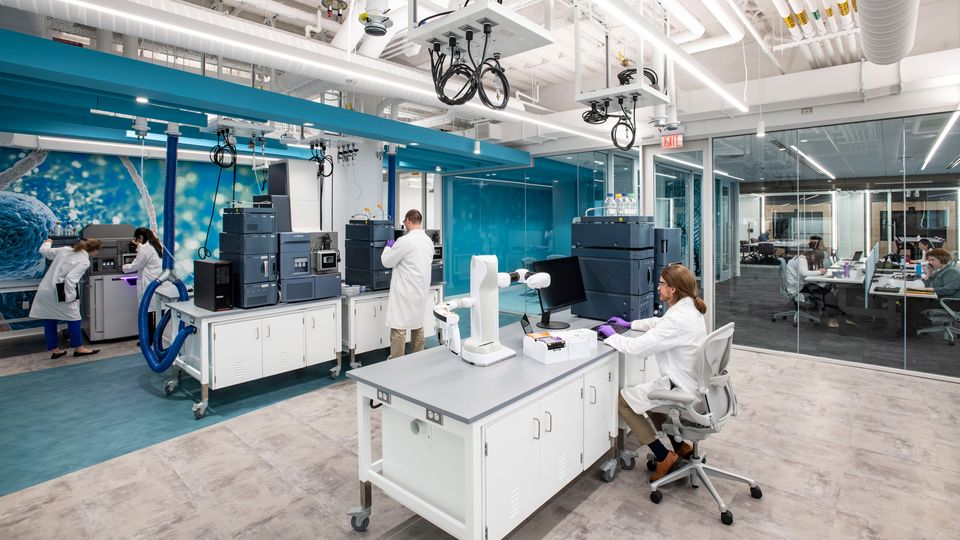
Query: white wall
<point x="356" y="185"/>
<point x="409" y="196"/>
<point x="749" y="217"/>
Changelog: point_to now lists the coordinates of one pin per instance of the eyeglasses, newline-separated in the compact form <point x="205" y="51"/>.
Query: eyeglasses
<point x="662" y="282"/>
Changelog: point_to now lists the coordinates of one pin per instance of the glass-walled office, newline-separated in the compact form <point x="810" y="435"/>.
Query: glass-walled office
<point x="824" y="231"/>
<point x="524" y="215"/>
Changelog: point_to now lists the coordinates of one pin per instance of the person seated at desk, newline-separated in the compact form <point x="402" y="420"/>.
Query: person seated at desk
<point x="764" y="237"/>
<point x="797" y="271"/>
<point x="945" y="277"/>
<point x="673" y="340"/>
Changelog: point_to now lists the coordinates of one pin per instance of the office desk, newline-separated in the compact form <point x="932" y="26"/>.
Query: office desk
<point x="926" y="292"/>
<point x="828" y="279"/>
<point x="475" y="450"/>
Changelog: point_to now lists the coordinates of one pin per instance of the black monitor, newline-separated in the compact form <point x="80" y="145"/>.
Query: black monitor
<point x="565" y="290"/>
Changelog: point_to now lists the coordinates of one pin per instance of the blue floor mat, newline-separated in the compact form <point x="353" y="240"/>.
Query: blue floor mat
<point x="56" y="421"/>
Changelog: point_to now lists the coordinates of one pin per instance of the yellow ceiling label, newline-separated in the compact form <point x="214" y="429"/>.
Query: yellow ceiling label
<point x="802" y="17"/>
<point x="844" y="9"/>
<point x="789" y="20"/>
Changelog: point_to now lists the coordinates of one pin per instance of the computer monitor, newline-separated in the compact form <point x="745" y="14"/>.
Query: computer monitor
<point x="565" y="290"/>
<point x="856" y="256"/>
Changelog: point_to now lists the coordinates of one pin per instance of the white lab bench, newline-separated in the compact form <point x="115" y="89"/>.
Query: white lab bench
<point x="241" y="345"/>
<point x="364" y="326"/>
<point x="476" y="450"/>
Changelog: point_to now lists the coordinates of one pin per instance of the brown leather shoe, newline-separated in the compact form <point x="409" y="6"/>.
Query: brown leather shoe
<point x="663" y="467"/>
<point x="685" y="451"/>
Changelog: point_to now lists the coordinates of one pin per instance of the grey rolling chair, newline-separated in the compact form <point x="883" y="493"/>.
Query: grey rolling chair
<point x="796" y="313"/>
<point x="945" y="321"/>
<point x="695" y="417"/>
<point x="765" y="251"/>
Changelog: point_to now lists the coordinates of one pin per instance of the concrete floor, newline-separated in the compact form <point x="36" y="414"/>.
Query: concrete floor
<point x="840" y="452"/>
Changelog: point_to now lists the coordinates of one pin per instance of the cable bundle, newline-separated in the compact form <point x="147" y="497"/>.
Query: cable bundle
<point x="224" y="156"/>
<point x="323" y="161"/>
<point x="626" y="124"/>
<point x="626" y="76"/>
<point x="472" y="74"/>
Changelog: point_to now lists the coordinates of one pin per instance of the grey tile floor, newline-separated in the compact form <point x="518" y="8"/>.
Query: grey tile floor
<point x="841" y="452"/>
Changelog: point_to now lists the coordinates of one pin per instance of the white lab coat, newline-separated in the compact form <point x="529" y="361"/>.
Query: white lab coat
<point x="410" y="257"/>
<point x="148" y="265"/>
<point x="673" y="340"/>
<point x="797" y="271"/>
<point x="68" y="267"/>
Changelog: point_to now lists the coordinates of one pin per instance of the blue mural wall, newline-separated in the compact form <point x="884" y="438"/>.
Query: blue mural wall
<point x="38" y="188"/>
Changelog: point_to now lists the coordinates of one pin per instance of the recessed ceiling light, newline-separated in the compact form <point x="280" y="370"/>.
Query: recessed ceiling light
<point x="142" y="100"/>
<point x="308" y="124"/>
<point x="414" y="144"/>
<point x="803" y="140"/>
<point x="569" y="157"/>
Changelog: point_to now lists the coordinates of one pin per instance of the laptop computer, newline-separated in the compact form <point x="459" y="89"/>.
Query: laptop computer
<point x="856" y="256"/>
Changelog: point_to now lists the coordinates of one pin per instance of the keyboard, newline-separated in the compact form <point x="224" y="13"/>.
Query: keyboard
<point x="617" y="329"/>
<point x="888" y="289"/>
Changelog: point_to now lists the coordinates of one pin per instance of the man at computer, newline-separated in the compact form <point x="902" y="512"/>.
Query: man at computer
<point x="673" y="340"/>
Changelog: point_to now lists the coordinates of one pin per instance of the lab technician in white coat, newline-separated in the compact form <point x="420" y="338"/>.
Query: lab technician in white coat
<point x="53" y="306"/>
<point x="148" y="265"/>
<point x="410" y="258"/>
<point x="673" y="340"/>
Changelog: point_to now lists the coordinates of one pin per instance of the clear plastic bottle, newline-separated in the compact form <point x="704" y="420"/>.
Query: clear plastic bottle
<point x="631" y="205"/>
<point x="618" y="204"/>
<point x="609" y="208"/>
<point x="58" y="229"/>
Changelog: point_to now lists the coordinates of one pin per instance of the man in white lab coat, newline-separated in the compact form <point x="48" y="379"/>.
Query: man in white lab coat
<point x="410" y="258"/>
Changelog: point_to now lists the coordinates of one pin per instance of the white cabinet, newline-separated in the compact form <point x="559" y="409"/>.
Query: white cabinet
<point x="511" y="470"/>
<point x="241" y="343"/>
<point x="368" y="326"/>
<point x="283" y="343"/>
<point x="561" y="413"/>
<point x="599" y="412"/>
<point x="322" y="331"/>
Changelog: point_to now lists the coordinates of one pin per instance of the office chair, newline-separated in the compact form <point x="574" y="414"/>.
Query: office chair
<point x="695" y="417"/>
<point x="795" y="298"/>
<point x="946" y="320"/>
<point x="766" y="251"/>
<point x="746" y="256"/>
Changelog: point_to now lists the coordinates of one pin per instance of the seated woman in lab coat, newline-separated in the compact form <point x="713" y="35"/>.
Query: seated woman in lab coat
<point x="66" y="270"/>
<point x="673" y="341"/>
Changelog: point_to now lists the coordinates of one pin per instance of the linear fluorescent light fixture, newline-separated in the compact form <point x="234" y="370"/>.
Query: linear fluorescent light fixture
<point x="346" y="69"/>
<point x="698" y="167"/>
<point x="624" y="13"/>
<point x="818" y="167"/>
<point x="136" y="147"/>
<point x="940" y="138"/>
<point x="666" y="175"/>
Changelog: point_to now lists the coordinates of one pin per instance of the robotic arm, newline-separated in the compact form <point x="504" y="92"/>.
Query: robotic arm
<point x="533" y="280"/>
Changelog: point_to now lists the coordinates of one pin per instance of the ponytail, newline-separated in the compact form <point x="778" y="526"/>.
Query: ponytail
<point x="88" y="245"/>
<point x="681" y="279"/>
<point x="149" y="238"/>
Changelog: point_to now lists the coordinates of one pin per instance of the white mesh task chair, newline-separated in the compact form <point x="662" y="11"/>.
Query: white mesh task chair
<point x="946" y="320"/>
<point x="695" y="417"/>
<point x="796" y="313"/>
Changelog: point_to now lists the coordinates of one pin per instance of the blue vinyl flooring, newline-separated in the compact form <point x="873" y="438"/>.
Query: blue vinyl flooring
<point x="59" y="420"/>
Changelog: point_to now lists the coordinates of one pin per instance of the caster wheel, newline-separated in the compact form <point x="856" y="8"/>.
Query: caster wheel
<point x="628" y="464"/>
<point x="727" y="518"/>
<point x="199" y="411"/>
<point x="360" y="525"/>
<point x="755" y="492"/>
<point x="607" y="476"/>
<point x="651" y="465"/>
<point x="656" y="497"/>
<point x="170" y="387"/>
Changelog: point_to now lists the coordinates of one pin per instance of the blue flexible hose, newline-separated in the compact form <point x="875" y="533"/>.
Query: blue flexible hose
<point x="158" y="358"/>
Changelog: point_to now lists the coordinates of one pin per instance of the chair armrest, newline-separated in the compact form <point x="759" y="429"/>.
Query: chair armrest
<point x="955" y="311"/>
<point x="676" y="396"/>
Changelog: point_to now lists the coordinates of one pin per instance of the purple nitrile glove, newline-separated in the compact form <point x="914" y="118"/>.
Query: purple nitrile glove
<point x="619" y="322"/>
<point x="606" y="331"/>
<point x="390" y="243"/>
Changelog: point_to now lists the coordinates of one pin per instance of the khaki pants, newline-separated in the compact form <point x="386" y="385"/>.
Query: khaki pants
<point x="399" y="336"/>
<point x="640" y="426"/>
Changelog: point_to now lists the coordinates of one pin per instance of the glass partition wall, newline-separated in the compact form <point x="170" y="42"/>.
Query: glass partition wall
<point x="817" y="233"/>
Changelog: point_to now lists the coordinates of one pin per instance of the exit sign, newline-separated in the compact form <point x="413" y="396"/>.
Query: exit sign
<point x="674" y="140"/>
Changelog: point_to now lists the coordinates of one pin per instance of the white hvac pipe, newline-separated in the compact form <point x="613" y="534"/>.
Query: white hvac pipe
<point x="803" y="21"/>
<point x="756" y="36"/>
<point x="272" y="7"/>
<point x="730" y="26"/>
<point x="694" y="28"/>
<point x="847" y="23"/>
<point x="817" y="20"/>
<point x="888" y="29"/>
<point x="795" y="33"/>
<point x="828" y="15"/>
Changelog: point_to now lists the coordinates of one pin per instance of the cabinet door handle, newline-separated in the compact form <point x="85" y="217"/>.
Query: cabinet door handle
<point x="314" y="320"/>
<point x="258" y="333"/>
<point x="594" y="400"/>
<point x="268" y="330"/>
<point x="537" y="436"/>
<point x="266" y="268"/>
<point x="550" y="424"/>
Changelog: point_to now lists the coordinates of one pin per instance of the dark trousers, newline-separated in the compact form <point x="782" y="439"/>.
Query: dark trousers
<point x="53" y="341"/>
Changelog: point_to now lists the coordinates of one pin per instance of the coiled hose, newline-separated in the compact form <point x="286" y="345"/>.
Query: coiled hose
<point x="158" y="358"/>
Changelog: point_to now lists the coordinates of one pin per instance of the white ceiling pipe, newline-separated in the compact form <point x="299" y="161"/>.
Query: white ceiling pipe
<point x="803" y="21"/>
<point x="351" y="31"/>
<point x="734" y="34"/>
<point x="888" y="29"/>
<point x="817" y="19"/>
<point x="694" y="28"/>
<point x="756" y="35"/>
<point x="373" y="46"/>
<point x="831" y="16"/>
<point x="795" y="33"/>
<point x="842" y="10"/>
<point x="272" y="7"/>
<point x="322" y="23"/>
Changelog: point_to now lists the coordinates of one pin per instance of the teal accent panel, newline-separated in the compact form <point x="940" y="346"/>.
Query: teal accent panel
<point x="59" y="65"/>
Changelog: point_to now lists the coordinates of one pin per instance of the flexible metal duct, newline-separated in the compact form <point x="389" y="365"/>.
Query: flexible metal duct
<point x="887" y="29"/>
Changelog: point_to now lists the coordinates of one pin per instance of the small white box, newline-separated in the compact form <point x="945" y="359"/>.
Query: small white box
<point x="577" y="344"/>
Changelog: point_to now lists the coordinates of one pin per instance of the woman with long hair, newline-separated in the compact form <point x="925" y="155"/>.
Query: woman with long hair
<point x="673" y="340"/>
<point x="148" y="265"/>
<point x="58" y="296"/>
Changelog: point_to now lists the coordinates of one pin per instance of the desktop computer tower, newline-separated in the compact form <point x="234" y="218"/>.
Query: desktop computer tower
<point x="212" y="285"/>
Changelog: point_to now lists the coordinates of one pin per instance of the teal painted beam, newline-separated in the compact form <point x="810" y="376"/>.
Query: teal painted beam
<point x="147" y="110"/>
<point x="60" y="64"/>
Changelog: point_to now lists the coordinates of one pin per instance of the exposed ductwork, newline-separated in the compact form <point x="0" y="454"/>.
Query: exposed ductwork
<point x="888" y="29"/>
